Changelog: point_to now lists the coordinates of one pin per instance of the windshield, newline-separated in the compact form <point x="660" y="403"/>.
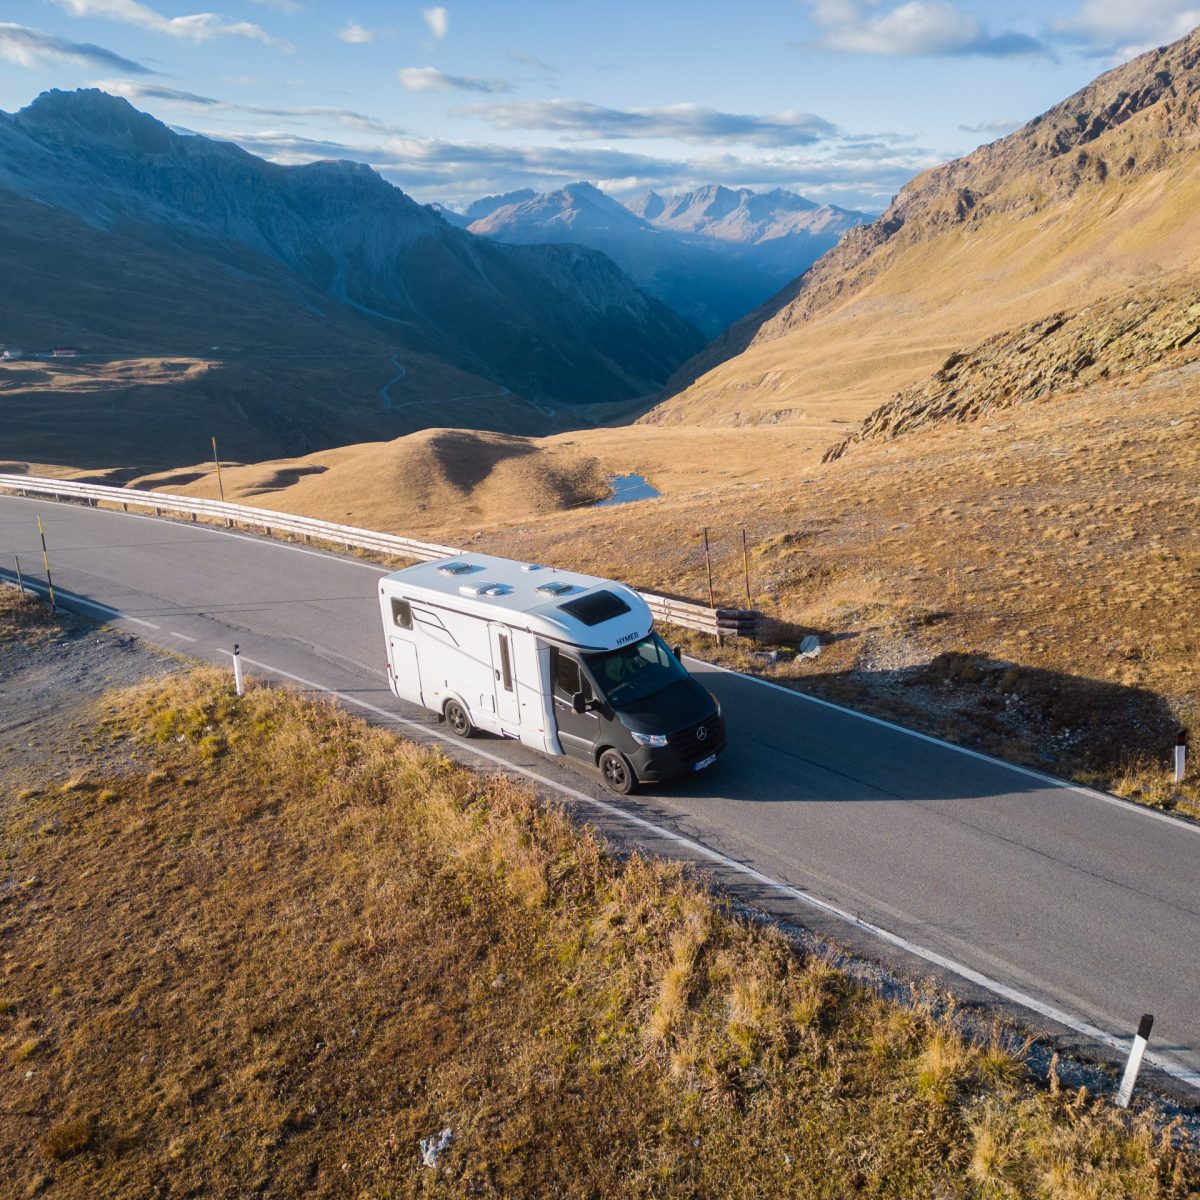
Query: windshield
<point x="635" y="671"/>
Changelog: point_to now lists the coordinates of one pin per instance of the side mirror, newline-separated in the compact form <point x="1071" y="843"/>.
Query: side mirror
<point x="578" y="703"/>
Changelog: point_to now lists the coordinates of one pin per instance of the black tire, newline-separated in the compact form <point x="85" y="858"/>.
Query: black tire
<point x="616" y="772"/>
<point x="458" y="719"/>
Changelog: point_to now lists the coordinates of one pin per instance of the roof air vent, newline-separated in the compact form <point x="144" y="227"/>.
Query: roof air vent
<point x="483" y="589"/>
<point x="552" y="589"/>
<point x="457" y="568"/>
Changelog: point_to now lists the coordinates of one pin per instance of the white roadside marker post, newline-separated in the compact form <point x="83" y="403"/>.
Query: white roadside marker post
<point x="238" y="682"/>
<point x="1181" y="756"/>
<point x="1134" y="1065"/>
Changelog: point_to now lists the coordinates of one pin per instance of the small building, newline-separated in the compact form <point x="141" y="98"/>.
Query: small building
<point x="11" y="354"/>
<point x="65" y="352"/>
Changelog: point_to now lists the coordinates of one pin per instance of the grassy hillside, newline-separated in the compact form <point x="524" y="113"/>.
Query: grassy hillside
<point x="1098" y="194"/>
<point x="262" y="948"/>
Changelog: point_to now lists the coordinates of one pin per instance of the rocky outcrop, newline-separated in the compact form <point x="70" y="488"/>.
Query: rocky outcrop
<point x="1061" y="353"/>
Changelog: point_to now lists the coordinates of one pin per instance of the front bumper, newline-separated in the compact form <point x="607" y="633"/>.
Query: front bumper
<point x="654" y="764"/>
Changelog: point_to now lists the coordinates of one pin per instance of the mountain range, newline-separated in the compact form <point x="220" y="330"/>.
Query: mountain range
<point x="711" y="254"/>
<point x="1097" y="196"/>
<point x="131" y="240"/>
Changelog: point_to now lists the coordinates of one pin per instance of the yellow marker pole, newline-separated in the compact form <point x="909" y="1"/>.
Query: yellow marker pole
<point x="220" y="483"/>
<point x="46" y="560"/>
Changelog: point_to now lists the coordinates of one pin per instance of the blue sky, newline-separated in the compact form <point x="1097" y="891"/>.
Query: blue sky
<point x="842" y="100"/>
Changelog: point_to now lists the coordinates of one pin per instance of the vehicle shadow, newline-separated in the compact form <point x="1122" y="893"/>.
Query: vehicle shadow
<point x="803" y="747"/>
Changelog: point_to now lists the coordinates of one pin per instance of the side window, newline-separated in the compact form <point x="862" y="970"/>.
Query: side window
<point x="568" y="678"/>
<point x="401" y="613"/>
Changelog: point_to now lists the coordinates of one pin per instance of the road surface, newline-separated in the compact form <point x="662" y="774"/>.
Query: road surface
<point x="1073" y="906"/>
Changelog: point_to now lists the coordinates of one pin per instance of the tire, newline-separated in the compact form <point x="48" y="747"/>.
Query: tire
<point x="458" y="719"/>
<point x="616" y="772"/>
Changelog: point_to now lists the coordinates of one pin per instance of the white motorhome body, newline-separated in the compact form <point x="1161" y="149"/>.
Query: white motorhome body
<point x="483" y="632"/>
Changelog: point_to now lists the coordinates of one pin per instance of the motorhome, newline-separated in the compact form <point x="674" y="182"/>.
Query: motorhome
<point x="567" y="663"/>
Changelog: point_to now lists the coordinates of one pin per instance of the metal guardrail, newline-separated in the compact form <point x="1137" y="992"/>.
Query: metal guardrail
<point x="721" y="622"/>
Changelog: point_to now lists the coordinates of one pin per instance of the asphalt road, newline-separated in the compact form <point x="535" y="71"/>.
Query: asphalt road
<point x="1078" y="907"/>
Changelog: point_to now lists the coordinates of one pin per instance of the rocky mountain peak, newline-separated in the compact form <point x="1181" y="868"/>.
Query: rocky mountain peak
<point x="90" y="116"/>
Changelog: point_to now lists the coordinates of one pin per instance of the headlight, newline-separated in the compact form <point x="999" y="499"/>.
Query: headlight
<point x="649" y="739"/>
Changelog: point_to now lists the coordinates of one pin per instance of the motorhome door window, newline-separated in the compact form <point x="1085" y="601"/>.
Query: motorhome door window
<point x="506" y="663"/>
<point x="401" y="613"/>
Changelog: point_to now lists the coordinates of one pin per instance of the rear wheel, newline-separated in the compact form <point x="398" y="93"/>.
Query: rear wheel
<point x="618" y="774"/>
<point x="459" y="719"/>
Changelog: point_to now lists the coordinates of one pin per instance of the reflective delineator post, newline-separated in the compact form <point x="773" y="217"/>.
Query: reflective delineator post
<point x="1181" y="756"/>
<point x="46" y="561"/>
<point x="239" y="683"/>
<point x="1134" y="1065"/>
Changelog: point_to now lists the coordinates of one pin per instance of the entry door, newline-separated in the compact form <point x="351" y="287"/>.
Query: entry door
<point x="577" y="732"/>
<point x="406" y="671"/>
<point x="508" y="708"/>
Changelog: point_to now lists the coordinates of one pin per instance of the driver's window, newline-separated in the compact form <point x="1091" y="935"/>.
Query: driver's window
<point x="568" y="678"/>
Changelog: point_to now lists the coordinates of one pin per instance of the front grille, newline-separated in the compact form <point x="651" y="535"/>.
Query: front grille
<point x="692" y="748"/>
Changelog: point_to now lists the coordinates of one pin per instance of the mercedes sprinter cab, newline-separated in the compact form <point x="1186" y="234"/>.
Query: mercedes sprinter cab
<point x="567" y="663"/>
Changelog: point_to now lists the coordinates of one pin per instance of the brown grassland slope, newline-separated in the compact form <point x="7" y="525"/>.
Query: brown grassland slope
<point x="262" y="948"/>
<point x="431" y="478"/>
<point x="1099" y="193"/>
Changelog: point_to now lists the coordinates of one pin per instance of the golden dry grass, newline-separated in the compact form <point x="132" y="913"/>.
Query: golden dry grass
<point x="288" y="946"/>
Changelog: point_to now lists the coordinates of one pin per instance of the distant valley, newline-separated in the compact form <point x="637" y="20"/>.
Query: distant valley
<point x="712" y="254"/>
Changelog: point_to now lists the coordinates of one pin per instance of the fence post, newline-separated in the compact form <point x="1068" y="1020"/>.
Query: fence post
<point x="239" y="684"/>
<point x="1134" y="1065"/>
<point x="20" y="579"/>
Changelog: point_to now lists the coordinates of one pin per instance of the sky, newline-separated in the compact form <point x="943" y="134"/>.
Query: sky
<point x="840" y="100"/>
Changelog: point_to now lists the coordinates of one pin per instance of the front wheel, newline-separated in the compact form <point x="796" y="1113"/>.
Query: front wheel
<point x="459" y="719"/>
<point x="618" y="774"/>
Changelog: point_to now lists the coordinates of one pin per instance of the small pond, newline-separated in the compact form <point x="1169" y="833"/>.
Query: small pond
<point x="628" y="488"/>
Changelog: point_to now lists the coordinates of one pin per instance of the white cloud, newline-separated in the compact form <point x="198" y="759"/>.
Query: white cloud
<point x="1120" y="29"/>
<point x="196" y="27"/>
<point x="356" y="35"/>
<point x="32" y="48"/>
<point x="461" y="172"/>
<point x="430" y="79"/>
<point x="686" y="122"/>
<point x="344" y="117"/>
<point x="437" y="21"/>
<point x="914" y="28"/>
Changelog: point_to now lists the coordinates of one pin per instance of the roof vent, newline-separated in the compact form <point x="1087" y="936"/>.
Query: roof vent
<point x="553" y="589"/>
<point x="530" y="567"/>
<point x="457" y="568"/>
<point x="483" y="589"/>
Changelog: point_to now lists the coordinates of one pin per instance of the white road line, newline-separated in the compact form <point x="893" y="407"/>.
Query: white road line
<point x="138" y="621"/>
<point x="183" y="637"/>
<point x="1176" y="1070"/>
<point x="1052" y="780"/>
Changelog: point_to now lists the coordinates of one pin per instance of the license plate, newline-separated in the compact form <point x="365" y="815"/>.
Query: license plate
<point x="705" y="762"/>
